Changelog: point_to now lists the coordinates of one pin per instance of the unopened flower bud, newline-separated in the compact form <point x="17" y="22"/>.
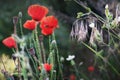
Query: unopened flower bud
<point x="106" y="6"/>
<point x="62" y="59"/>
<point x="32" y="51"/>
<point x="15" y="20"/>
<point x="20" y="14"/>
<point x="54" y="42"/>
<point x="72" y="62"/>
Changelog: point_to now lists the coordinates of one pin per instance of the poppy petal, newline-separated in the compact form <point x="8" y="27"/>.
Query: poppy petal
<point x="49" y="21"/>
<point x="47" y="31"/>
<point x="9" y="42"/>
<point x="30" y="24"/>
<point x="47" y="67"/>
<point x="37" y="12"/>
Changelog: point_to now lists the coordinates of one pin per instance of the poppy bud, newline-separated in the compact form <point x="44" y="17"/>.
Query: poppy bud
<point x="20" y="14"/>
<point x="15" y="20"/>
<point x="32" y="51"/>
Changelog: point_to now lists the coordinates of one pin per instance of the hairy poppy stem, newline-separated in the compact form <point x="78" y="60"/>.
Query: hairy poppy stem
<point x="15" y="21"/>
<point x="21" y="30"/>
<point x="38" y="45"/>
<point x="42" y="48"/>
<point x="58" y="58"/>
<point x="52" y="60"/>
<point x="20" y="21"/>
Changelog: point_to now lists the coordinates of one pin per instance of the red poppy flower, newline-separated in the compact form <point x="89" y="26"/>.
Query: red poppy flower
<point x="49" y="22"/>
<point x="72" y="77"/>
<point x="30" y="24"/>
<point x="9" y="42"/>
<point x="91" y="68"/>
<point x="37" y="12"/>
<point x="47" y="67"/>
<point x="47" y="31"/>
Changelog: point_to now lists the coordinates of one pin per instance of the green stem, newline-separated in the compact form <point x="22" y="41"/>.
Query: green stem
<point x="115" y="36"/>
<point x="21" y="30"/>
<point x="43" y="52"/>
<point x="23" y="70"/>
<point x="76" y="70"/>
<point x="58" y="58"/>
<point x="52" y="60"/>
<point x="37" y="46"/>
<point x="101" y="57"/>
<point x="88" y="9"/>
<point x="34" y="64"/>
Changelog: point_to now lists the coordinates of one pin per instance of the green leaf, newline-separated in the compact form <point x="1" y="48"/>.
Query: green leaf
<point x="79" y="14"/>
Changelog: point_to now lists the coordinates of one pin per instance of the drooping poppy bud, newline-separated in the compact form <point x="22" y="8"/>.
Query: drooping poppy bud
<point x="47" y="67"/>
<point x="30" y="24"/>
<point x="91" y="68"/>
<point x="37" y="12"/>
<point x="9" y="42"/>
